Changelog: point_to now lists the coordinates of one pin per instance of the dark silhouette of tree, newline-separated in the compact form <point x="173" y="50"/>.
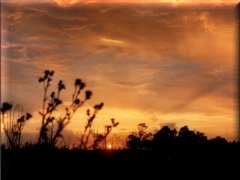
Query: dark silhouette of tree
<point x="218" y="141"/>
<point x="164" y="137"/>
<point x="189" y="137"/>
<point x="140" y="139"/>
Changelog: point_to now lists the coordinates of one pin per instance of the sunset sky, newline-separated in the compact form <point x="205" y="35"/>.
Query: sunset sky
<point x="168" y="63"/>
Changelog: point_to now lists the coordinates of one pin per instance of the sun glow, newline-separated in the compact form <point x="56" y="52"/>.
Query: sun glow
<point x="109" y="147"/>
<point x="66" y="2"/>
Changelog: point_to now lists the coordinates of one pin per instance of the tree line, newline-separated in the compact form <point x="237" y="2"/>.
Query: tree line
<point x="167" y="138"/>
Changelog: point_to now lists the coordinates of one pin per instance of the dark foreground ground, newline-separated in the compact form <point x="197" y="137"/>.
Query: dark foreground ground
<point x="179" y="162"/>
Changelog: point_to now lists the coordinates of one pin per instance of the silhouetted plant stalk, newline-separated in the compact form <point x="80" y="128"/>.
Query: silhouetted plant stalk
<point x="102" y="138"/>
<point x="13" y="121"/>
<point x="88" y="128"/>
<point x="97" y="138"/>
<point x="52" y="127"/>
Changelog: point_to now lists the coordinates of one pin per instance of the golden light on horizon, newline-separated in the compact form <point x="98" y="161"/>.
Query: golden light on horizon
<point x="66" y="2"/>
<point x="109" y="147"/>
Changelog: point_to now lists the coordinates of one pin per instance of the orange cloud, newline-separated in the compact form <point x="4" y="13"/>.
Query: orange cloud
<point x="70" y="2"/>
